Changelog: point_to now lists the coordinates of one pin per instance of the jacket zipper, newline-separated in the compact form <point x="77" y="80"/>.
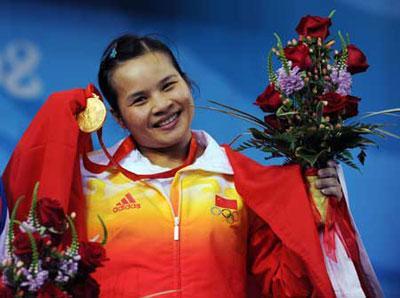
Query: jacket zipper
<point x="176" y="232"/>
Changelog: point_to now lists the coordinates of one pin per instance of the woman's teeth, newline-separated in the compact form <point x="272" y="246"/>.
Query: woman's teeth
<point x="168" y="121"/>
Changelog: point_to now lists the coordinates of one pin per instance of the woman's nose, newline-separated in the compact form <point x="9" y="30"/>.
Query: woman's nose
<point x="161" y="104"/>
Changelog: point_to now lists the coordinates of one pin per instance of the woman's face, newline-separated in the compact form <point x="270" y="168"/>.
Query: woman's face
<point x="155" y="102"/>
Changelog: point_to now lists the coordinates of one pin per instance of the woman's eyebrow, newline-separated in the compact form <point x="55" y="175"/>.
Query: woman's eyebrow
<point x="136" y="94"/>
<point x="167" y="78"/>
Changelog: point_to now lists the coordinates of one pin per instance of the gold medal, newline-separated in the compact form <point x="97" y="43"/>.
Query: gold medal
<point x="92" y="118"/>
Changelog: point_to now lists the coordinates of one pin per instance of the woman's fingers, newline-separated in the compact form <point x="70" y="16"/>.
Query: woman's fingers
<point x="332" y="164"/>
<point x="328" y="182"/>
<point x="332" y="191"/>
<point x="327" y="172"/>
<point x="322" y="183"/>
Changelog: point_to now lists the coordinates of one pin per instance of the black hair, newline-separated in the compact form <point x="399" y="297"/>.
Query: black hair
<point x="124" y="48"/>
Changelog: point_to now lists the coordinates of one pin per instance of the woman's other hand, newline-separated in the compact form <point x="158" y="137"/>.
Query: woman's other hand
<point x="328" y="182"/>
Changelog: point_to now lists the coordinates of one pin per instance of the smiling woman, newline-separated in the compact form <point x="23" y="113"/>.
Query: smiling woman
<point x="155" y="105"/>
<point x="186" y="217"/>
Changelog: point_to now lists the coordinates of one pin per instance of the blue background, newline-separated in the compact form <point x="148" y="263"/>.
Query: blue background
<point x="222" y="45"/>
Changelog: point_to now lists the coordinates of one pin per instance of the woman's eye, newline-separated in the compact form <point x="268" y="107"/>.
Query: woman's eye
<point x="138" y="100"/>
<point x="168" y="86"/>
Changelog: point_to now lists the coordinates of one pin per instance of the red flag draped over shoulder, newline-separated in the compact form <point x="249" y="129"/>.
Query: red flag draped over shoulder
<point x="278" y="196"/>
<point x="48" y="152"/>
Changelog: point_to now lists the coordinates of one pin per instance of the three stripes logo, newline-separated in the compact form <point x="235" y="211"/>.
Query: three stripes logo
<point x="127" y="202"/>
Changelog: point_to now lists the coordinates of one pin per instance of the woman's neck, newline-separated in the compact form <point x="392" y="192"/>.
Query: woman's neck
<point x="170" y="157"/>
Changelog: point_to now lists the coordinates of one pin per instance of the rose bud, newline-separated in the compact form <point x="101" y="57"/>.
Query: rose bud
<point x="299" y="55"/>
<point x="339" y="105"/>
<point x="351" y="108"/>
<point x="51" y="214"/>
<point x="314" y="26"/>
<point x="273" y="122"/>
<point x="356" y="61"/>
<point x="270" y="100"/>
<point x="329" y="44"/>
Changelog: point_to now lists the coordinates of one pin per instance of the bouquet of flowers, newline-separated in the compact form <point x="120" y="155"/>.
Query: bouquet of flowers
<point x="39" y="264"/>
<point x="308" y="104"/>
<point x="308" y="100"/>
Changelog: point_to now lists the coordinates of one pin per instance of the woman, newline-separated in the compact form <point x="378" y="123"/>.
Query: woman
<point x="185" y="216"/>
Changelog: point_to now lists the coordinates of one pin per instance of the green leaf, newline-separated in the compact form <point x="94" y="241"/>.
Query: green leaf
<point x="361" y="157"/>
<point x="74" y="241"/>
<point x="257" y="134"/>
<point x="11" y="225"/>
<point x="348" y="154"/>
<point x="282" y="56"/>
<point x="348" y="38"/>
<point x="343" y="58"/>
<point x="390" y="134"/>
<point x="32" y="211"/>
<point x="240" y="112"/>
<point x="35" y="254"/>
<point x="383" y="112"/>
<point x="309" y="156"/>
<point x="105" y="232"/>
<point x="271" y="74"/>
<point x="347" y="161"/>
<point x="236" y="115"/>
<point x="320" y="109"/>
<point x="331" y="14"/>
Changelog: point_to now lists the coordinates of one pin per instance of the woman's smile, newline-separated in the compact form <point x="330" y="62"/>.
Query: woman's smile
<point x="168" y="122"/>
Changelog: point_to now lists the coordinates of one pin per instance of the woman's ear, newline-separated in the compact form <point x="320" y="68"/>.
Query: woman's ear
<point x="117" y="116"/>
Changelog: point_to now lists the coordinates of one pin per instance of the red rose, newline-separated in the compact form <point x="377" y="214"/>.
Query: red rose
<point x="92" y="255"/>
<point x="356" y="61"/>
<point x="5" y="291"/>
<point x="336" y="103"/>
<point x="270" y="100"/>
<point x="299" y="55"/>
<point x="272" y="121"/>
<point x="49" y="290"/>
<point x="22" y="243"/>
<point x="84" y="288"/>
<point x="275" y="123"/>
<point x="51" y="214"/>
<point x="346" y="106"/>
<point x="351" y="108"/>
<point x="314" y="26"/>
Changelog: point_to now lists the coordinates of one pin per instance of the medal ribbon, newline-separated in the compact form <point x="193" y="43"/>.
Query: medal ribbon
<point x="123" y="150"/>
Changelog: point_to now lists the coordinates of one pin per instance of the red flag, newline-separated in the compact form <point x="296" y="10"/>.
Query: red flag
<point x="48" y="152"/>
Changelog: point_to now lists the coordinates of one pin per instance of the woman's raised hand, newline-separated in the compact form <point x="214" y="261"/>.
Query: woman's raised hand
<point x="328" y="182"/>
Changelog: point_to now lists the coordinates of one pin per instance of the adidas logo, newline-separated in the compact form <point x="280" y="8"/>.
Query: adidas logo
<point x="127" y="202"/>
